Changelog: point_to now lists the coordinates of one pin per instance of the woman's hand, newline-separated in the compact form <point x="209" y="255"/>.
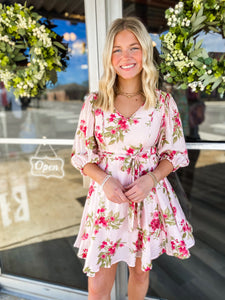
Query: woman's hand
<point x="139" y="189"/>
<point x="114" y="191"/>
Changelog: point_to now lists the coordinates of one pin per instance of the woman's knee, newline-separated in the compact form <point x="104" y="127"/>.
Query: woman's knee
<point x="138" y="275"/>
<point x="102" y="283"/>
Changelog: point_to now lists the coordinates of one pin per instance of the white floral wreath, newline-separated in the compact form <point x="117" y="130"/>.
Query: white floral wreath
<point x="30" y="52"/>
<point x="185" y="63"/>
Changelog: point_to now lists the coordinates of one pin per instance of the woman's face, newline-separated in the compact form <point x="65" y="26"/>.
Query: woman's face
<point x="127" y="55"/>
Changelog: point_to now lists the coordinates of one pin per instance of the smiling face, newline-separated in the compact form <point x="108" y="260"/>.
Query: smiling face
<point x="127" y="55"/>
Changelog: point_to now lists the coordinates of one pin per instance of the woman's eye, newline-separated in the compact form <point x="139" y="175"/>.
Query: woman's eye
<point x="116" y="51"/>
<point x="134" y="48"/>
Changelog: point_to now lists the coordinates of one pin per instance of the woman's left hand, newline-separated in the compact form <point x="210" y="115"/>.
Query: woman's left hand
<point x="139" y="189"/>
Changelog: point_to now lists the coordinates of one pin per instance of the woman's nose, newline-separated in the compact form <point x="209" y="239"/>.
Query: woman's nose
<point x="126" y="53"/>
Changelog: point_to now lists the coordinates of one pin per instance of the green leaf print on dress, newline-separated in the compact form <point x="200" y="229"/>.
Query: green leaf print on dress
<point x="107" y="250"/>
<point x="120" y="126"/>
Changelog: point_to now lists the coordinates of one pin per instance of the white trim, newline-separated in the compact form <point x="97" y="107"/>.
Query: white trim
<point x="18" y="141"/>
<point x="69" y="142"/>
<point x="37" y="290"/>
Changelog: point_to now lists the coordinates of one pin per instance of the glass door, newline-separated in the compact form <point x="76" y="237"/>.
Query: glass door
<point x="41" y="194"/>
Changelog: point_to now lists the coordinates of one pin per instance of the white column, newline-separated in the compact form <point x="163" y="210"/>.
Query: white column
<point x="98" y="15"/>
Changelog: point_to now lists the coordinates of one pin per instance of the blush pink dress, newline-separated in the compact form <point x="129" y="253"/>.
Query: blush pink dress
<point x="128" y="148"/>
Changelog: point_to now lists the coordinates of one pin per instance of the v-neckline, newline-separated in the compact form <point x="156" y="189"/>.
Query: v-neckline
<point x="128" y="118"/>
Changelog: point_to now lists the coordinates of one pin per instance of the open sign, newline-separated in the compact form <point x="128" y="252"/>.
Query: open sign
<point x="47" y="166"/>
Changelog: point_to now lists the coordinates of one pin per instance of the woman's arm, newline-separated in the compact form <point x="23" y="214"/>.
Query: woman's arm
<point x="113" y="189"/>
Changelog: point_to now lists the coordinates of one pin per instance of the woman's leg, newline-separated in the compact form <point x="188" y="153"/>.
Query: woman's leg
<point x="100" y="286"/>
<point x="138" y="282"/>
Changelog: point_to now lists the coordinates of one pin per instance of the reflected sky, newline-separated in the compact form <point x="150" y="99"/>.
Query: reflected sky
<point x="75" y="36"/>
<point x="212" y="42"/>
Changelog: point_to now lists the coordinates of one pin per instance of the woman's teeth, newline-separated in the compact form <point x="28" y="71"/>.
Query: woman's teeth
<point x="127" y="67"/>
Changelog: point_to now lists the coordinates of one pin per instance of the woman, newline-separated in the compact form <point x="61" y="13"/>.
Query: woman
<point x="129" y="138"/>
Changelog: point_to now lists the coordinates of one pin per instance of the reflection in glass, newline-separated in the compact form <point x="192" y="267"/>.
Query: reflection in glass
<point x="39" y="218"/>
<point x="202" y="276"/>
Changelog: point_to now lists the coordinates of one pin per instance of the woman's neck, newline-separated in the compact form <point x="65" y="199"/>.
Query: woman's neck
<point x="129" y="86"/>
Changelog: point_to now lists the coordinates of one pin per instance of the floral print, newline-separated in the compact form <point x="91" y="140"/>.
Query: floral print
<point x="128" y="148"/>
<point x="107" y="250"/>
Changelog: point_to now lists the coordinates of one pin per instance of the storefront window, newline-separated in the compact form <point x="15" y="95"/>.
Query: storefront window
<point x="41" y="203"/>
<point x="41" y="194"/>
<point x="201" y="196"/>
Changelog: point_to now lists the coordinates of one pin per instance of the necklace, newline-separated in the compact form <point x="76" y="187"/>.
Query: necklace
<point x="129" y="95"/>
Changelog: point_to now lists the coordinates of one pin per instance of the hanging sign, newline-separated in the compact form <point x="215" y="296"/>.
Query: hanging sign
<point x="47" y="166"/>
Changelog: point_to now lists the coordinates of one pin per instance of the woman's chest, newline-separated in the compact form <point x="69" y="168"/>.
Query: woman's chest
<point x="141" y="128"/>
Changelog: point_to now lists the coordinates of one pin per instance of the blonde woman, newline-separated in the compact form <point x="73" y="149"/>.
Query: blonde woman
<point x="129" y="138"/>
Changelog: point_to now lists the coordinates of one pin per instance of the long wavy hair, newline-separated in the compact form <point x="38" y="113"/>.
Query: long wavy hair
<point x="149" y="76"/>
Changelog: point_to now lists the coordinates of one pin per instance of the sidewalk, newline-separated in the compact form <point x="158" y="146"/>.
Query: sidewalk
<point x="9" y="297"/>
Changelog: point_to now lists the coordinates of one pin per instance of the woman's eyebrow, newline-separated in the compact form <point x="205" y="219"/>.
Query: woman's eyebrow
<point x="129" y="45"/>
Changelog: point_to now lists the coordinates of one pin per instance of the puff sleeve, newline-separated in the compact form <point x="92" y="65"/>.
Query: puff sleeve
<point x="85" y="148"/>
<point x="171" y="143"/>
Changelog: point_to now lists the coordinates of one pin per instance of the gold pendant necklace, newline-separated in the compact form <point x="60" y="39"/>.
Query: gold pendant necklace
<point x="129" y="95"/>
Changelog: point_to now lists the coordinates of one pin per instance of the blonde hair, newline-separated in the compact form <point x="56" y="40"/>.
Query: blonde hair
<point x="107" y="83"/>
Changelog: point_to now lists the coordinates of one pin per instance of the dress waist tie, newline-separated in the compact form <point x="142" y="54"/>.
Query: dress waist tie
<point x="134" y="213"/>
<point x="134" y="209"/>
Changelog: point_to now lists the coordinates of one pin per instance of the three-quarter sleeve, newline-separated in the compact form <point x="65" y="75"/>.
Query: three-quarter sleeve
<point x="171" y="143"/>
<point x="85" y="149"/>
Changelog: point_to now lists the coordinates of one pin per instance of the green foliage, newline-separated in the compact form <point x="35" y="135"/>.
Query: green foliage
<point x="185" y="62"/>
<point x="30" y="51"/>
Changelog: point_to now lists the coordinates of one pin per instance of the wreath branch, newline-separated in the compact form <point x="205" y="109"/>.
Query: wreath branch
<point x="185" y="62"/>
<point x="31" y="53"/>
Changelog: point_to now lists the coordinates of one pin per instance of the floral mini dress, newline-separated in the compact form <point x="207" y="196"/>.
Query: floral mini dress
<point x="128" y="148"/>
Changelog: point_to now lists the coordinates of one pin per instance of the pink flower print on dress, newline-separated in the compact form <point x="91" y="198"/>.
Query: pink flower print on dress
<point x="103" y="221"/>
<point x="163" y="124"/>
<point x="112" y="250"/>
<point x="155" y="224"/>
<point x="103" y="245"/>
<point x="145" y="156"/>
<point x="113" y="131"/>
<point x="174" y="210"/>
<point x="123" y="124"/>
<point x="128" y="170"/>
<point x="98" y="112"/>
<point x="83" y="128"/>
<point x="84" y="254"/>
<point x="85" y="236"/>
<point x="156" y="214"/>
<point x="136" y="121"/>
<point x="102" y="209"/>
<point x="177" y="120"/>
<point x="183" y="250"/>
<point x="91" y="190"/>
<point x="112" y="117"/>
<point x="130" y="151"/>
<point x="99" y="137"/>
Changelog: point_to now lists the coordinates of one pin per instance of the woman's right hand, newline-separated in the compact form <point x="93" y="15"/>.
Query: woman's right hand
<point x="114" y="191"/>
